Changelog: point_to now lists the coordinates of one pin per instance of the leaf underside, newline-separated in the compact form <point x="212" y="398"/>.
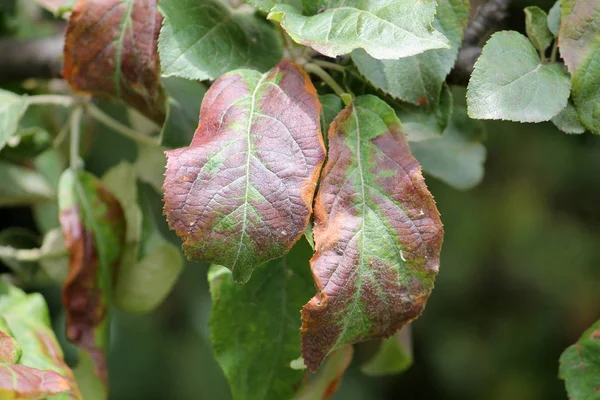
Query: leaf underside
<point x="377" y="234"/>
<point x="241" y="193"/>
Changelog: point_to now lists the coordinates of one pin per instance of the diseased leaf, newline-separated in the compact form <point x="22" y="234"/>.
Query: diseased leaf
<point x="580" y="366"/>
<point x="111" y="52"/>
<point x="241" y="193"/>
<point x="568" y="121"/>
<point x="329" y="377"/>
<point x="419" y="79"/>
<point x="10" y="351"/>
<point x="377" y="234"/>
<point x="509" y="82"/>
<point x="536" y="25"/>
<point x="255" y="328"/>
<point x="420" y="123"/>
<point x="378" y="28"/>
<point x="457" y="156"/>
<point x="185" y="98"/>
<point x="22" y="186"/>
<point x="205" y="40"/>
<point x="40" y="371"/>
<point x="393" y="356"/>
<point x="94" y="226"/>
<point x="578" y="37"/>
<point x="12" y="108"/>
<point x="579" y="42"/>
<point x="554" y="18"/>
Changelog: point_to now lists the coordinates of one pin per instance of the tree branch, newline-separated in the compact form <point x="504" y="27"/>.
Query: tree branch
<point x="33" y="58"/>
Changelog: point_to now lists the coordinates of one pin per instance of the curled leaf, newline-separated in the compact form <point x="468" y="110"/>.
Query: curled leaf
<point x="377" y="234"/>
<point x="111" y="52"/>
<point x="241" y="193"/>
<point x="94" y="227"/>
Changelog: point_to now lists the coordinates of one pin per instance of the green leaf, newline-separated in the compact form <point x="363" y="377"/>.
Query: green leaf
<point x="205" y="40"/>
<point x="51" y="164"/>
<point x="554" y="18"/>
<point x="54" y="258"/>
<point x="456" y="157"/>
<point x="331" y="106"/>
<point x="568" y="121"/>
<point x="509" y="82"/>
<point x="329" y="378"/>
<point x="94" y="227"/>
<point x="536" y="26"/>
<point x="419" y="79"/>
<point x="255" y="328"/>
<point x="378" y="28"/>
<point x="150" y="165"/>
<point x="393" y="356"/>
<point x="241" y="193"/>
<point x="579" y="44"/>
<point x="40" y="371"/>
<point x="420" y="123"/>
<point x="184" y="100"/>
<point x="22" y="186"/>
<point x="377" y="234"/>
<point x="26" y="144"/>
<point x="580" y="366"/>
<point x="12" y="108"/>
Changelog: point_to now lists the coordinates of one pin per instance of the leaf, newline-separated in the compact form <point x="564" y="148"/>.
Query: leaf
<point x="331" y="106"/>
<point x="568" y="121"/>
<point x="420" y="123"/>
<point x="26" y="144"/>
<point x="378" y="28"/>
<point x="185" y="98"/>
<point x="19" y="238"/>
<point x="241" y="193"/>
<point x="255" y="328"/>
<point x="22" y="186"/>
<point x="554" y="18"/>
<point x="419" y="79"/>
<point x="12" y="108"/>
<point x="377" y="234"/>
<point x="40" y="371"/>
<point x="393" y="357"/>
<point x="147" y="271"/>
<point x="150" y="165"/>
<point x="536" y="25"/>
<point x="580" y="366"/>
<point x="457" y="156"/>
<point x="330" y="376"/>
<point x="94" y="228"/>
<point x="579" y="44"/>
<point x="205" y="40"/>
<point x="10" y="351"/>
<point x="578" y="37"/>
<point x="111" y="52"/>
<point x="510" y="83"/>
<point x="54" y="258"/>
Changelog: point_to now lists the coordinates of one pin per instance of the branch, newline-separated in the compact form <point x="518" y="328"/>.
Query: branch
<point x="489" y="16"/>
<point x="33" y="58"/>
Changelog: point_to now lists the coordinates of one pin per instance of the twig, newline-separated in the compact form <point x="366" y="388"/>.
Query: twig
<point x="75" y="131"/>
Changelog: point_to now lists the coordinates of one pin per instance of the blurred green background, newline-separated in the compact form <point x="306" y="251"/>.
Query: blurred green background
<point x="519" y="282"/>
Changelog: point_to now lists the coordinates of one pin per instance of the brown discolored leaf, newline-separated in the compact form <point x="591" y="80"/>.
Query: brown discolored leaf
<point x="241" y="194"/>
<point x="111" y="51"/>
<point x="377" y="234"/>
<point x="25" y="383"/>
<point x="94" y="227"/>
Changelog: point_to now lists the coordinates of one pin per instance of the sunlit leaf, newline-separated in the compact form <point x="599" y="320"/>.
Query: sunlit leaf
<point x="580" y="366"/>
<point x="111" y="52"/>
<point x="205" y="40"/>
<point x="536" y="25"/>
<point x="579" y="42"/>
<point x="393" y="356"/>
<point x="12" y="108"/>
<point x="329" y="378"/>
<point x="510" y="82"/>
<point x="93" y="224"/>
<point x="22" y="186"/>
<point x="568" y="121"/>
<point x="388" y="29"/>
<point x="377" y="234"/>
<point x="255" y="328"/>
<point x="419" y="79"/>
<point x="457" y="156"/>
<point x="241" y="193"/>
